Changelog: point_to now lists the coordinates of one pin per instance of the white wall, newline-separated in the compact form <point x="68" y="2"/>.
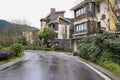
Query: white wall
<point x="28" y="35"/>
<point x="61" y="31"/>
<point x="75" y="45"/>
<point x="68" y="31"/>
<point x="103" y="10"/>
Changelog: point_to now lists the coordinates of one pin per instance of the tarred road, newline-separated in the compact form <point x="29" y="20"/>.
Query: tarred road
<point x="41" y="65"/>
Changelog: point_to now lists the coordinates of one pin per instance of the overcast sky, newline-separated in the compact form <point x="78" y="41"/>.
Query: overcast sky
<point x="32" y="10"/>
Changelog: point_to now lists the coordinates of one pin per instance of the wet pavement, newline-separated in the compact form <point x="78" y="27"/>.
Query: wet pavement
<point x="41" y="65"/>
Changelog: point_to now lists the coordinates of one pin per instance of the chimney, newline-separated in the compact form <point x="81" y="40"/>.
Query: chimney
<point x="52" y="10"/>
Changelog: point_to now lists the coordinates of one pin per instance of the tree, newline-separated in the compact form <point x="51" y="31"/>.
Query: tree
<point x="47" y="36"/>
<point x="22" y="40"/>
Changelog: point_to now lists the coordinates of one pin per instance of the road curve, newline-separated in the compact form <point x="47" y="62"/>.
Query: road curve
<point x="42" y="65"/>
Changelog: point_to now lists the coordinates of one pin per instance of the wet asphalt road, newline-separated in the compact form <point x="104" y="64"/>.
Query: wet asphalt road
<point x="41" y="65"/>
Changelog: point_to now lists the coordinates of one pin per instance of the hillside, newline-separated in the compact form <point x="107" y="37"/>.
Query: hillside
<point x="7" y="28"/>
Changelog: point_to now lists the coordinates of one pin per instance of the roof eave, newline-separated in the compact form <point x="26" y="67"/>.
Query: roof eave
<point x="80" y="4"/>
<point x="63" y="19"/>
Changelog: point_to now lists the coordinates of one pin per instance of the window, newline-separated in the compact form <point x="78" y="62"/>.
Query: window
<point x="76" y="13"/>
<point x="90" y="7"/>
<point x="98" y="8"/>
<point x="84" y="11"/>
<point x="77" y="28"/>
<point x="81" y="27"/>
<point x="99" y="30"/>
<point x="85" y="26"/>
<point x="91" y="24"/>
<point x="56" y="35"/>
<point x="80" y="11"/>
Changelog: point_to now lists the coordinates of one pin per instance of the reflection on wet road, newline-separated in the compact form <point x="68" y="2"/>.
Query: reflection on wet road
<point x="41" y="65"/>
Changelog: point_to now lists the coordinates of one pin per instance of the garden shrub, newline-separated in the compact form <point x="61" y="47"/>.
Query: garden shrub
<point x="5" y="54"/>
<point x="18" y="48"/>
<point x="46" y="49"/>
<point x="31" y="47"/>
<point x="1" y="47"/>
<point x="103" y="49"/>
<point x="57" y="48"/>
<point x="6" y="48"/>
<point x="76" y="53"/>
<point x="100" y="47"/>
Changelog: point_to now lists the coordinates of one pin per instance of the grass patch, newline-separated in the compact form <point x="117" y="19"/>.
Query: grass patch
<point x="46" y="49"/>
<point x="111" y="66"/>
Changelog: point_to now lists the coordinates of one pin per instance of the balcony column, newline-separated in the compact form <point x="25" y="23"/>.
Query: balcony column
<point x="75" y="45"/>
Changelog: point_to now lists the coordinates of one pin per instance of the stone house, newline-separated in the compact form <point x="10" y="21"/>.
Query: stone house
<point x="61" y="25"/>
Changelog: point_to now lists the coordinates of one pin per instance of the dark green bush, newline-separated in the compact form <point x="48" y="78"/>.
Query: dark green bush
<point x="76" y="53"/>
<point x="46" y="49"/>
<point x="95" y="47"/>
<point x="18" y="48"/>
<point x="103" y="49"/>
<point x="6" y="54"/>
<point x="31" y="47"/>
<point x="57" y="48"/>
<point x="1" y="47"/>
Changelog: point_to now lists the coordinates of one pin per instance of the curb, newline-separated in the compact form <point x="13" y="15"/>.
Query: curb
<point x="106" y="72"/>
<point x="6" y="65"/>
<point x="101" y="69"/>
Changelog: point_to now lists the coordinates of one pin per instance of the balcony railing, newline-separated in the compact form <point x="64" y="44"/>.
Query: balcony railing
<point x="80" y="17"/>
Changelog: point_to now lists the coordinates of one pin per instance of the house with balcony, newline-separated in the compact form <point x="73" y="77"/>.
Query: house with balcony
<point x="90" y="18"/>
<point x="61" y="25"/>
<point x="110" y="10"/>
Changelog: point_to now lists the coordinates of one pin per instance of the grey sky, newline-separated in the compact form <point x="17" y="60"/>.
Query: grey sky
<point x="32" y="10"/>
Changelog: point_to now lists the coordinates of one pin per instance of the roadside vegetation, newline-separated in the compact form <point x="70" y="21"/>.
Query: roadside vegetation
<point x="10" y="53"/>
<point x="47" y="36"/>
<point x="103" y="49"/>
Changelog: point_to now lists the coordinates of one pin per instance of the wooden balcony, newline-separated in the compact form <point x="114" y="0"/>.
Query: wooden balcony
<point x="89" y="14"/>
<point x="80" y="17"/>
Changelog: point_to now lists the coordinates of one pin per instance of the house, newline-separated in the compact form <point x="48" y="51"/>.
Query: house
<point x="91" y="17"/>
<point x="61" y="25"/>
<point x="31" y="35"/>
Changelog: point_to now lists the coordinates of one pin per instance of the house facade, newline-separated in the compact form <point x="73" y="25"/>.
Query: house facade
<point x="92" y="17"/>
<point x="61" y="25"/>
<point x="31" y="35"/>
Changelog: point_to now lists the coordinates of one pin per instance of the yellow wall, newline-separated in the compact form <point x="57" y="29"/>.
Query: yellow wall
<point x="113" y="18"/>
